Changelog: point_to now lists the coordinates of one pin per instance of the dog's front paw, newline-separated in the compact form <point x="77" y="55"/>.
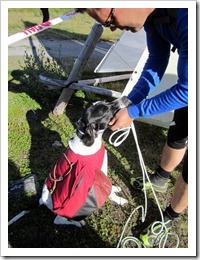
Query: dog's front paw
<point x="114" y="197"/>
<point x="116" y="188"/>
<point x="117" y="199"/>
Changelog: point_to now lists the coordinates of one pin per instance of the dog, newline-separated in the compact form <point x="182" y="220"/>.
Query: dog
<point x="87" y="141"/>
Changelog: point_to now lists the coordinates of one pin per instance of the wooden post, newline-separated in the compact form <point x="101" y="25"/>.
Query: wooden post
<point x="84" y="87"/>
<point x="59" y="83"/>
<point x="78" y="67"/>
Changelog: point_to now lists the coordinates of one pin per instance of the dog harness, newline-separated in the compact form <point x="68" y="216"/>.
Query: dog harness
<point x="77" y="185"/>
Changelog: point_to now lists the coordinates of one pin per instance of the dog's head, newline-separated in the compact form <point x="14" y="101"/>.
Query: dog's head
<point x="96" y="118"/>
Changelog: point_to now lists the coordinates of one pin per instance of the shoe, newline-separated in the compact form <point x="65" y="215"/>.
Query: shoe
<point x="158" y="183"/>
<point x="152" y="235"/>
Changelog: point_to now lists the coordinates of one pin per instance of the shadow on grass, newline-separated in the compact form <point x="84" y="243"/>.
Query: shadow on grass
<point x="36" y="230"/>
<point x="42" y="155"/>
<point x="14" y="172"/>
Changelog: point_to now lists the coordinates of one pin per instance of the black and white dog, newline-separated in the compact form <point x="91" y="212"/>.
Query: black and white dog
<point x="88" y="141"/>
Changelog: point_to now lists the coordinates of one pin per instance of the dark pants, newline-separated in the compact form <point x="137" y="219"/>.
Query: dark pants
<point x="177" y="137"/>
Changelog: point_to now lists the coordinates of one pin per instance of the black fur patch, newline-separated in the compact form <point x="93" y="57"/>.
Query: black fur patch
<point x="96" y="118"/>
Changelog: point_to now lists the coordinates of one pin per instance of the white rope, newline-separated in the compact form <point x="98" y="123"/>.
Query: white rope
<point x="130" y="238"/>
<point x="39" y="28"/>
<point x="162" y="239"/>
<point x="123" y="136"/>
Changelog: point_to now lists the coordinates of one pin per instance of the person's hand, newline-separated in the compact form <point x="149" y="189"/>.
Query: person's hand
<point x="120" y="120"/>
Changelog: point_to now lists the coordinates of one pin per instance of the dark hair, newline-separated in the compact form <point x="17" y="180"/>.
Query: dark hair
<point x="80" y="10"/>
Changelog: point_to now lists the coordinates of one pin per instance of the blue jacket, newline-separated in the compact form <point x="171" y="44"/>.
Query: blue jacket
<point x="160" y="38"/>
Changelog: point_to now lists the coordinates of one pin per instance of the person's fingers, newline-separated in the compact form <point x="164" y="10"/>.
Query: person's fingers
<point x="112" y="121"/>
<point x="114" y="127"/>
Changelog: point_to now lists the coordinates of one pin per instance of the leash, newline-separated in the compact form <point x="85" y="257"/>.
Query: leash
<point x="163" y="239"/>
<point x="60" y="178"/>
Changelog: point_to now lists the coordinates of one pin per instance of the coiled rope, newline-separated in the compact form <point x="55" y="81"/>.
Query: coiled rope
<point x="162" y="238"/>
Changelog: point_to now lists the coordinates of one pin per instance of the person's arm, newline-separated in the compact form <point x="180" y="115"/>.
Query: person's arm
<point x="174" y="97"/>
<point x="155" y="66"/>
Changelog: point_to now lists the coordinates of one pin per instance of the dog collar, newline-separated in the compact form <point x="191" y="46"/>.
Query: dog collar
<point x="80" y="132"/>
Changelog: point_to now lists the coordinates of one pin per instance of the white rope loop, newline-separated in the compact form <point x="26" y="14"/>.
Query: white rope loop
<point x="133" y="240"/>
<point x="163" y="229"/>
<point x="121" y="242"/>
<point x="175" y="238"/>
<point x="121" y="138"/>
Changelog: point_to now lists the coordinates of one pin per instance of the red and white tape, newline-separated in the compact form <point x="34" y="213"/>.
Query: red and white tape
<point x="38" y="28"/>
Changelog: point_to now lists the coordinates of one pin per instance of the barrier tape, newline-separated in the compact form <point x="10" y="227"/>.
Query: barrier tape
<point x="39" y="28"/>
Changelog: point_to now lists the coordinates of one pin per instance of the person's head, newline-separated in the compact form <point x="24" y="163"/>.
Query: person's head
<point x="131" y="19"/>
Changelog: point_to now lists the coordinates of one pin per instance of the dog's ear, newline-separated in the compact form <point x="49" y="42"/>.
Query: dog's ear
<point x="90" y="134"/>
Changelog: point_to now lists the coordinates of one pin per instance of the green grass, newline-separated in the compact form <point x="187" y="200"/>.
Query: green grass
<point x="32" y="129"/>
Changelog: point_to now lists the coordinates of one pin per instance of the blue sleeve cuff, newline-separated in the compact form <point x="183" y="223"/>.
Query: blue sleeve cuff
<point x="133" y="111"/>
